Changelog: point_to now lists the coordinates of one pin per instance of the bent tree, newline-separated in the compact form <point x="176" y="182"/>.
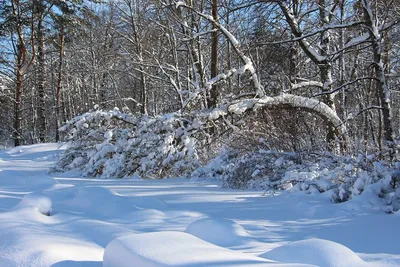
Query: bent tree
<point x="324" y="110"/>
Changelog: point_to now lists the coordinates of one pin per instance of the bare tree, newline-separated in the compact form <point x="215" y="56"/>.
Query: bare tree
<point x="23" y="61"/>
<point x="377" y="41"/>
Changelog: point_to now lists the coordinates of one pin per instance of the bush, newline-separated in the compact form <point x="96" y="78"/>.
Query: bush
<point x="117" y="144"/>
<point x="343" y="177"/>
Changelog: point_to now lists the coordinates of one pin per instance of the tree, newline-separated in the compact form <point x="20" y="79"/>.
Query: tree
<point x="21" y="18"/>
<point x="214" y="94"/>
<point x="40" y="10"/>
<point x="377" y="41"/>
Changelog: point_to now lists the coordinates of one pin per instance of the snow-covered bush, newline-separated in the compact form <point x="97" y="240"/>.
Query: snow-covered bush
<point x="254" y="170"/>
<point x="117" y="144"/>
<point x="343" y="177"/>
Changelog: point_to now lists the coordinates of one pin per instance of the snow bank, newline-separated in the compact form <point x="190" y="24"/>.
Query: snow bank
<point x="175" y="249"/>
<point x="218" y="231"/>
<point x="38" y="201"/>
<point x="320" y="252"/>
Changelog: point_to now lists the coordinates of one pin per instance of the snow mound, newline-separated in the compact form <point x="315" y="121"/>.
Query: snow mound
<point x="323" y="253"/>
<point x="175" y="249"/>
<point x="218" y="231"/>
<point x="36" y="200"/>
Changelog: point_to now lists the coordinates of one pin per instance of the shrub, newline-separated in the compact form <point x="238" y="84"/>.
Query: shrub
<point x="117" y="144"/>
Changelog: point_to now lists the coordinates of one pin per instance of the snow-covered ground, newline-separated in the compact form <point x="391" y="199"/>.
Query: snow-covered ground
<point x="177" y="222"/>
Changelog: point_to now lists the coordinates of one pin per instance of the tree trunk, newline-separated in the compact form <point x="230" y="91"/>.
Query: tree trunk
<point x="59" y="80"/>
<point x="143" y="82"/>
<point x="293" y="53"/>
<point x="214" y="93"/>
<point x="381" y="84"/>
<point x="326" y="70"/>
<point x="139" y="51"/>
<point x="194" y="46"/>
<point x="103" y="90"/>
<point x="293" y="58"/>
<point x="18" y="99"/>
<point x="41" y="75"/>
<point x="22" y="65"/>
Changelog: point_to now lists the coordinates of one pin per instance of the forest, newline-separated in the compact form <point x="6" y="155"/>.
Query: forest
<point x="164" y="87"/>
<point x="199" y="133"/>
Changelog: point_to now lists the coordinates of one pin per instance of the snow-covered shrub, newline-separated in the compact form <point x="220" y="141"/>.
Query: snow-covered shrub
<point x="117" y="144"/>
<point x="254" y="170"/>
<point x="343" y="177"/>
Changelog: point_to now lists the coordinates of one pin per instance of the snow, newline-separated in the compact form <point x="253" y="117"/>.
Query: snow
<point x="313" y="105"/>
<point x="175" y="249"/>
<point x="330" y="254"/>
<point x="174" y="222"/>
<point x="306" y="83"/>
<point x="358" y="40"/>
<point x="218" y="231"/>
<point x="228" y="34"/>
<point x="38" y="201"/>
<point x="178" y="4"/>
<point x="217" y="112"/>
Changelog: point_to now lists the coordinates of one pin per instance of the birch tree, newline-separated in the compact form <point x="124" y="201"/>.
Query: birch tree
<point x="375" y="31"/>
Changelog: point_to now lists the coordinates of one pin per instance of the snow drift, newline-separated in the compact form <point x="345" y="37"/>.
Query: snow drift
<point x="38" y="201"/>
<point x="322" y="253"/>
<point x="218" y="231"/>
<point x="176" y="249"/>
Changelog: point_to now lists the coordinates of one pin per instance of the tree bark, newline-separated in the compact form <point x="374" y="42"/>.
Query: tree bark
<point x="59" y="82"/>
<point x="18" y="98"/>
<point x="39" y="11"/>
<point x="381" y="84"/>
<point x="41" y="77"/>
<point x="22" y="65"/>
<point x="214" y="92"/>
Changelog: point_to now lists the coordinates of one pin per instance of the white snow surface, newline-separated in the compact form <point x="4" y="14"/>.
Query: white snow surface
<point x="218" y="231"/>
<point x="150" y="217"/>
<point x="330" y="254"/>
<point x="175" y="249"/>
<point x="37" y="201"/>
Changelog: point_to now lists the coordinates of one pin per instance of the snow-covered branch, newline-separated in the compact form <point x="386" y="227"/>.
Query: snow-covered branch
<point x="297" y="32"/>
<point x="281" y="101"/>
<point x="296" y="86"/>
<point x="236" y="46"/>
